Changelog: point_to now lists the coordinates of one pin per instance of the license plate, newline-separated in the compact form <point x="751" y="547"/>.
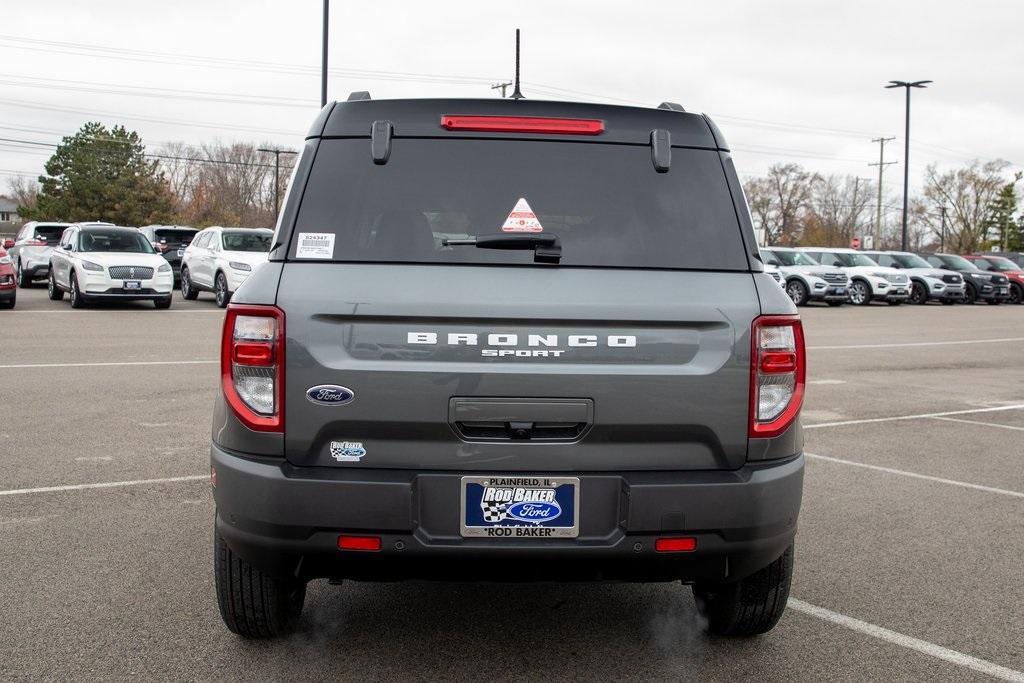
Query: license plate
<point x="520" y="507"/>
<point x="181" y="252"/>
<point x="1004" y="290"/>
<point x="840" y="290"/>
<point x="132" y="285"/>
<point x="901" y="291"/>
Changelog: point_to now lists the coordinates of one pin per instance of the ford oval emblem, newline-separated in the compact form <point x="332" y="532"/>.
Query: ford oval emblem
<point x="330" y="395"/>
<point x="534" y="511"/>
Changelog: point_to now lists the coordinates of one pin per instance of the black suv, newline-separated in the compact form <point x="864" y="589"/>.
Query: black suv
<point x="509" y="340"/>
<point x="991" y="288"/>
<point x="171" y="241"/>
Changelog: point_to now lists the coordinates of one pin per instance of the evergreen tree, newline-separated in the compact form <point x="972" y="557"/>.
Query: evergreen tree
<point x="101" y="174"/>
<point x="999" y="223"/>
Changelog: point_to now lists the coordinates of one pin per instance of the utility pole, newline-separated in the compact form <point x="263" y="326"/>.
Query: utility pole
<point x="882" y="163"/>
<point x="323" y="62"/>
<point x="906" y="148"/>
<point x="503" y="86"/>
<point x="942" y="231"/>
<point x="277" y="168"/>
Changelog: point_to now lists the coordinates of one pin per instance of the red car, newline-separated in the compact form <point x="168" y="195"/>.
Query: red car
<point x="8" y="289"/>
<point x="1004" y="266"/>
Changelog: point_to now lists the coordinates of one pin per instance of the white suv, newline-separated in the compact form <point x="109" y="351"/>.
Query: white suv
<point x="100" y="261"/>
<point x="926" y="281"/>
<point x="220" y="259"/>
<point x="868" y="280"/>
<point x="804" y="279"/>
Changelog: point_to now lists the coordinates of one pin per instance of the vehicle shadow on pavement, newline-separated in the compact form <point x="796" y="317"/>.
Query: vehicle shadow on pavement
<point x="459" y="630"/>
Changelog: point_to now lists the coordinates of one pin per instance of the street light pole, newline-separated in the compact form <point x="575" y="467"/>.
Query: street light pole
<point x="277" y="172"/>
<point x="323" y="62"/>
<point x="906" y="148"/>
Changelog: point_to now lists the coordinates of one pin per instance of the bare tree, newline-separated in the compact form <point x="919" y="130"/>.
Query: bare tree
<point x="841" y="206"/>
<point x="24" y="191"/>
<point x="780" y="200"/>
<point x="967" y="193"/>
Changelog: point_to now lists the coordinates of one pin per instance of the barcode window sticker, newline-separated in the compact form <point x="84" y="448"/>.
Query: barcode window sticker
<point x="318" y="245"/>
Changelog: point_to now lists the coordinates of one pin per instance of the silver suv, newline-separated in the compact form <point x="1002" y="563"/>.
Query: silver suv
<point x="502" y="339"/>
<point x="32" y="248"/>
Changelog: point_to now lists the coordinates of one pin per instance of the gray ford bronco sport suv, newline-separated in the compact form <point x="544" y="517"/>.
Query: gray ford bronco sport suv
<point x="509" y="340"/>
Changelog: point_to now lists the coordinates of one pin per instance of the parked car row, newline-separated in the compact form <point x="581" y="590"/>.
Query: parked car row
<point x="837" y="276"/>
<point x="97" y="261"/>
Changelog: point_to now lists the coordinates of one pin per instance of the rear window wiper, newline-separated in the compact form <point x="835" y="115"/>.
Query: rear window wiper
<point x="546" y="248"/>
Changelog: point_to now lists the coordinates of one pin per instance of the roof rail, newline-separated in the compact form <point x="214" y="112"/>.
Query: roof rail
<point x="357" y="95"/>
<point x="671" y="106"/>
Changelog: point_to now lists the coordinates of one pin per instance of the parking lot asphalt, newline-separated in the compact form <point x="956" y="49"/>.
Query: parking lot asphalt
<point x="909" y="556"/>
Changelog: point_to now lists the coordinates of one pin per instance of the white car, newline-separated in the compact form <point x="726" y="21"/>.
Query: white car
<point x="100" y="261"/>
<point x="868" y="280"/>
<point x="220" y="259"/>
<point x="804" y="279"/>
<point x="926" y="281"/>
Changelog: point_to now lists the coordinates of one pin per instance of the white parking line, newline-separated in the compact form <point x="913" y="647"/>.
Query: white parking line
<point x="898" y="345"/>
<point x="870" y="420"/>
<point x="103" y="485"/>
<point x="978" y="422"/>
<point x="923" y="646"/>
<point x="111" y="364"/>
<point x="826" y="381"/>
<point x="915" y="475"/>
<point x="100" y="310"/>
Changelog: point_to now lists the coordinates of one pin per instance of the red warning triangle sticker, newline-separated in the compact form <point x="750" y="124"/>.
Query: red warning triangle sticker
<point x="522" y="219"/>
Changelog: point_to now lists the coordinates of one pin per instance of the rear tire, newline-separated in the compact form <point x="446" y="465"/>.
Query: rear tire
<point x="836" y="303"/>
<point x="797" y="291"/>
<point x="24" y="279"/>
<point x="1016" y="294"/>
<point x="894" y="302"/>
<point x="55" y="292"/>
<point x="9" y="303"/>
<point x="188" y="290"/>
<point x="970" y="294"/>
<point x="918" y="294"/>
<point x="162" y="303"/>
<point x="749" y="606"/>
<point x="253" y="604"/>
<point x="220" y="290"/>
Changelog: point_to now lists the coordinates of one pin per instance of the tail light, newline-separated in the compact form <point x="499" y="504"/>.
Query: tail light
<point x="252" y="365"/>
<point x="778" y="368"/>
<point x="35" y="243"/>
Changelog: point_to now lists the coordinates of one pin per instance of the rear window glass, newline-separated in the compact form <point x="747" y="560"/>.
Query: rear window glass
<point x="246" y="241"/>
<point x="174" y="235"/>
<point x="49" y="233"/>
<point x="605" y="202"/>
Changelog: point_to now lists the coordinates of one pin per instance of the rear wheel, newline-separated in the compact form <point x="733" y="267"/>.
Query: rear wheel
<point x="918" y="294"/>
<point x="970" y="294"/>
<point x="77" y="300"/>
<point x="220" y="290"/>
<point x="1016" y="294"/>
<point x="162" y="303"/>
<point x="797" y="291"/>
<point x="9" y="303"/>
<point x="860" y="293"/>
<point x="55" y="292"/>
<point x="253" y="604"/>
<point x="188" y="290"/>
<point x="24" y="279"/>
<point x="749" y="606"/>
<point x="894" y="302"/>
<point x="836" y="303"/>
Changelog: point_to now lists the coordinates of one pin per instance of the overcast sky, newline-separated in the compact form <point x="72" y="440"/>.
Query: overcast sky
<point x="785" y="80"/>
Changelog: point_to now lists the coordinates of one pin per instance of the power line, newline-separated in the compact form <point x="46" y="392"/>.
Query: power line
<point x="169" y="157"/>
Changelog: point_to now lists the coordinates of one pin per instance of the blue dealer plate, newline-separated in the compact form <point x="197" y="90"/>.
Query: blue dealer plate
<point x="520" y="507"/>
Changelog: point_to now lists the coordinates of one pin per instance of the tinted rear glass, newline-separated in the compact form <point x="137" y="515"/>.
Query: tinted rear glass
<point x="49" y="233"/>
<point x="246" y="241"/>
<point x="174" y="235"/>
<point x="605" y="202"/>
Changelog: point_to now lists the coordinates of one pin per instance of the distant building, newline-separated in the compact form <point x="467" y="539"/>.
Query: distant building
<point x="9" y="218"/>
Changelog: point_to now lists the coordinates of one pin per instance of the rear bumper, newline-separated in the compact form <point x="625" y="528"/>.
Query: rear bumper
<point x="287" y="520"/>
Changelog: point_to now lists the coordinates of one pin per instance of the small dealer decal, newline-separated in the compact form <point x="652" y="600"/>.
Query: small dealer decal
<point x="522" y="219"/>
<point x="316" y="245"/>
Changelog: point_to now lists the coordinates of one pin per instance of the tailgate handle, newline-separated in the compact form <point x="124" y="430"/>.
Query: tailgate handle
<point x="502" y="419"/>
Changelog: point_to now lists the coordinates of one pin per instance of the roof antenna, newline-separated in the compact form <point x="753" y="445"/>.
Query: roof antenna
<point x="517" y="94"/>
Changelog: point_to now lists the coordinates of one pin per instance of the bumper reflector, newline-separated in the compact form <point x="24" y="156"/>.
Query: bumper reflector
<point x="371" y="543"/>
<point x="685" y="544"/>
